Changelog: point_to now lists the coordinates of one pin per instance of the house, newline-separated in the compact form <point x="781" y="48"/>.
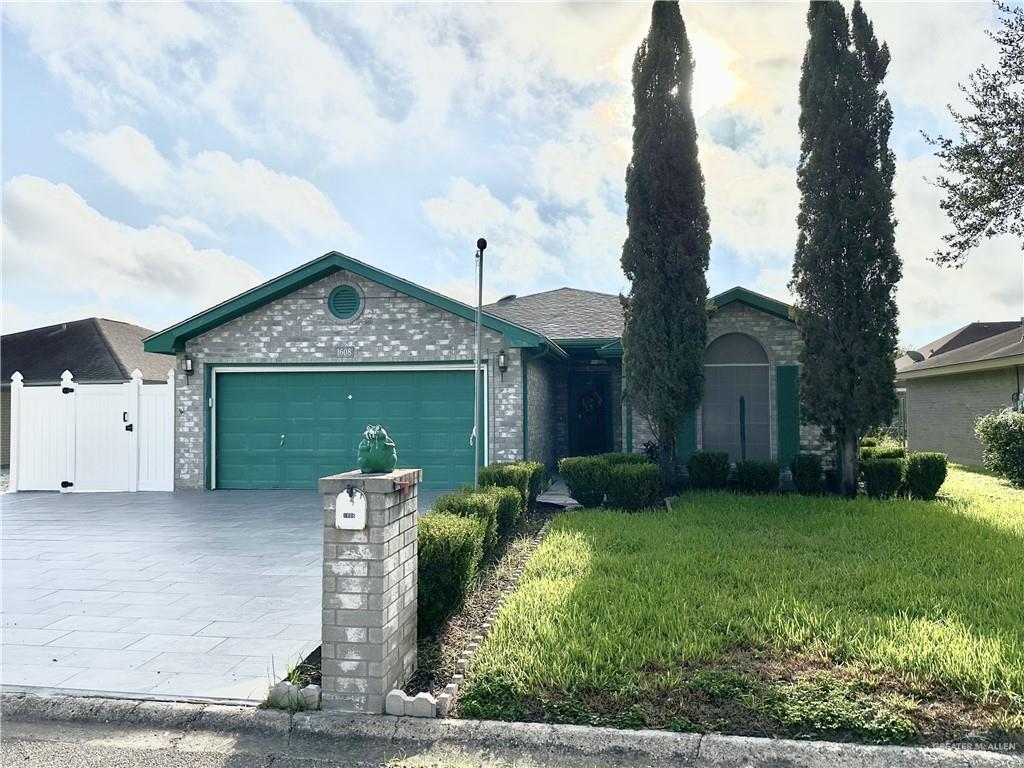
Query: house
<point x="95" y="350"/>
<point x="951" y="382"/>
<point x="275" y="386"/>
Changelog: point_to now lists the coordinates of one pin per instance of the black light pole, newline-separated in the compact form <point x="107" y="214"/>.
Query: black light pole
<point x="481" y="246"/>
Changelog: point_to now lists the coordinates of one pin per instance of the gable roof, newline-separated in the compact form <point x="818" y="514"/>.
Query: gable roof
<point x="93" y="350"/>
<point x="571" y="314"/>
<point x="172" y="339"/>
<point x="993" y="351"/>
<point x="564" y="313"/>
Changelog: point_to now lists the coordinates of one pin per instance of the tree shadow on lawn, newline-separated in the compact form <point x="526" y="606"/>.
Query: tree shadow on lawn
<point x="875" y="620"/>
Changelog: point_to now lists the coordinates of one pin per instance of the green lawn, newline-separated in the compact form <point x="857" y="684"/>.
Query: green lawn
<point x="878" y="620"/>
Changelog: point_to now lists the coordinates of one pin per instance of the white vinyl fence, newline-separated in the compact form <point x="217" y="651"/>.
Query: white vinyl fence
<point x="92" y="437"/>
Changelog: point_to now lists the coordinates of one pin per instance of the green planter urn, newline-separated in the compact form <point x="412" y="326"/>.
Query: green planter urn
<point x="376" y="451"/>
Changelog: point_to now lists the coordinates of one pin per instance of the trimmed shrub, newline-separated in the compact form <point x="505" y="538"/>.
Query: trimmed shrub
<point x="806" y="469"/>
<point x="925" y="474"/>
<point x="624" y="458"/>
<point x="882" y="452"/>
<point x="1002" y="434"/>
<point x="883" y="477"/>
<point x="634" y="485"/>
<point x="509" y="507"/>
<point x="757" y="476"/>
<point x="450" y="549"/>
<point x="538" y="476"/>
<point x="512" y="474"/>
<point x="708" y="470"/>
<point x="868" y="442"/>
<point x="527" y="477"/>
<point x="480" y="505"/>
<point x="587" y="478"/>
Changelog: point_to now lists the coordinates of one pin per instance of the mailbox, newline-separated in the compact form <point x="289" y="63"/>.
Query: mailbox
<point x="350" y="510"/>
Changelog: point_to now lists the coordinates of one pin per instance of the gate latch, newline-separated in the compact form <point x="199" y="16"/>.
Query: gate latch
<point x="129" y="427"/>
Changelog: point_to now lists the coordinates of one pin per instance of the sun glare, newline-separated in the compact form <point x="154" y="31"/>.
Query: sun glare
<point x="714" y="82"/>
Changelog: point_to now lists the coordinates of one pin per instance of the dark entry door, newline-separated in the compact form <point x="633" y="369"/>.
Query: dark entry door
<point x="589" y="414"/>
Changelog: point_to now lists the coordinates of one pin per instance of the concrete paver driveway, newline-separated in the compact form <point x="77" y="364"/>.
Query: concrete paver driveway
<point x="185" y="594"/>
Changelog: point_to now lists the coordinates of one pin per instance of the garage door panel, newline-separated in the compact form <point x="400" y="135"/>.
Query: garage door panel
<point x="323" y="414"/>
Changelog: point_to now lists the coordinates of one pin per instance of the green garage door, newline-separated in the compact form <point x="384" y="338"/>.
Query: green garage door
<point x="287" y="429"/>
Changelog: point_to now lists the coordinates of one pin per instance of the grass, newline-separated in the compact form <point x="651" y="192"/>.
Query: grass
<point x="878" y="620"/>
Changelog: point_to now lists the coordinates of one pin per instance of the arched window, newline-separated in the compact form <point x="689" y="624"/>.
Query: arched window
<point x="735" y="416"/>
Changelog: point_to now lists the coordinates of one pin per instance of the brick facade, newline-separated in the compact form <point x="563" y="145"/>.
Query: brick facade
<point x="391" y="328"/>
<point x="942" y="410"/>
<point x="547" y="402"/>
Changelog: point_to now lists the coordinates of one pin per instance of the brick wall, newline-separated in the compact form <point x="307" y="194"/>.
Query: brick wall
<point x="941" y="410"/>
<point x="546" y="424"/>
<point x="298" y="328"/>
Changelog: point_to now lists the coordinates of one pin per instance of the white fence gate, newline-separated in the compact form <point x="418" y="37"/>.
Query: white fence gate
<point x="92" y="437"/>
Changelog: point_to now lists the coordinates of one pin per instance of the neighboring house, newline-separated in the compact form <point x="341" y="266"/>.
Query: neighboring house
<point x="949" y="383"/>
<point x="95" y="350"/>
<point x="285" y="377"/>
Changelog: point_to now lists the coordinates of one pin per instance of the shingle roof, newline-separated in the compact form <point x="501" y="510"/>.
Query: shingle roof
<point x="94" y="349"/>
<point x="947" y="351"/>
<point x="564" y="313"/>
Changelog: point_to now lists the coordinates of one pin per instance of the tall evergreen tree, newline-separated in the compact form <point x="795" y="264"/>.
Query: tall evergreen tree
<point x="846" y="266"/>
<point x="665" y="255"/>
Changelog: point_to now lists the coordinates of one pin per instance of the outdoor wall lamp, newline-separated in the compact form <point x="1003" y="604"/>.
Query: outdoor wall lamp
<point x="186" y="366"/>
<point x="502" y="361"/>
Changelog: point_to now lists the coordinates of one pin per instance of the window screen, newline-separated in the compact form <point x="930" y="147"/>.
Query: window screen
<point x="735" y="415"/>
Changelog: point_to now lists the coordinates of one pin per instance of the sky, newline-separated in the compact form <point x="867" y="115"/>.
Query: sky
<point x="159" y="158"/>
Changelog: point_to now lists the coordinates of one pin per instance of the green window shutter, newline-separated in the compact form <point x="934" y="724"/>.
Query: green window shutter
<point x="344" y="302"/>
<point x="787" y="378"/>
<point x="686" y="438"/>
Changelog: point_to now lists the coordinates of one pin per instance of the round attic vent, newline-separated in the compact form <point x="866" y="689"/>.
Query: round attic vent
<point x="344" y="302"/>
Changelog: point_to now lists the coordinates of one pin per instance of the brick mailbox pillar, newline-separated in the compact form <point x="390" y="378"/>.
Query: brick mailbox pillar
<point x="369" y="596"/>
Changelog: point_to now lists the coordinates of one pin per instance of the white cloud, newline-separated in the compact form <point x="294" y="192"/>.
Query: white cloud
<point x="212" y="185"/>
<point x="187" y="225"/>
<point x="989" y="287"/>
<point x="51" y="234"/>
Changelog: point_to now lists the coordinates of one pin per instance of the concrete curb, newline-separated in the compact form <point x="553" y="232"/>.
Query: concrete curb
<point x="513" y="742"/>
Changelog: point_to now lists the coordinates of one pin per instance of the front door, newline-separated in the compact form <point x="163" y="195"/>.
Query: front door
<point x="589" y="414"/>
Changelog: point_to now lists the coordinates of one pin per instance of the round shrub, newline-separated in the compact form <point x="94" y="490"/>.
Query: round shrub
<point x="450" y="549"/>
<point x="509" y="507"/>
<point x="868" y="442"/>
<point x="538" y="477"/>
<point x="633" y="485"/>
<point x="512" y="474"/>
<point x="587" y="478"/>
<point x="708" y="469"/>
<point x="806" y="469"/>
<point x="926" y="472"/>
<point x="757" y="476"/>
<point x="476" y="504"/>
<point x="1002" y="434"/>
<point x="883" y="477"/>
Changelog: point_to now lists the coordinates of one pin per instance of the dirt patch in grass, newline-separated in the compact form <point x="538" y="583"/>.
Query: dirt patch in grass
<point x="756" y="693"/>
<point x="436" y="655"/>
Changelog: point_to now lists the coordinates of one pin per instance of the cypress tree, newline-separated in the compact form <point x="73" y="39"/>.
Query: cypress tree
<point x="846" y="265"/>
<point x="665" y="255"/>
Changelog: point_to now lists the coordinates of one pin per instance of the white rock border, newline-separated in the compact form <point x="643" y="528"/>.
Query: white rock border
<point x="424" y="704"/>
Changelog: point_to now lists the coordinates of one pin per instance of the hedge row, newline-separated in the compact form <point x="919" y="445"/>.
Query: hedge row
<point x="624" y="480"/>
<point x="463" y="528"/>
<point x="919" y="475"/>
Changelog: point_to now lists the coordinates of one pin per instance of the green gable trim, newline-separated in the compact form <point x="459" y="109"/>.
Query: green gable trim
<point x="172" y="340"/>
<point x="787" y="387"/>
<point x="755" y="300"/>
